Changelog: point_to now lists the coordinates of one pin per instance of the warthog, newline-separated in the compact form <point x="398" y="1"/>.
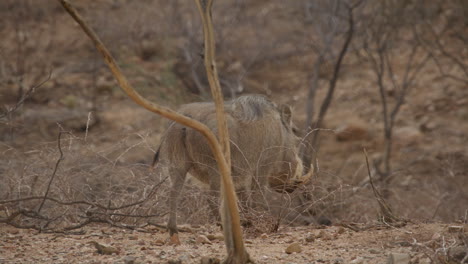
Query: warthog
<point x="264" y="149"/>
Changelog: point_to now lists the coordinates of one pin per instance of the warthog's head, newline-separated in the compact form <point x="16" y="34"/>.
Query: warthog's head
<point x="274" y="121"/>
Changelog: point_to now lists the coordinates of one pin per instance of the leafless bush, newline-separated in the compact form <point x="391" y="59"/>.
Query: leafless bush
<point x="331" y="46"/>
<point x="386" y="37"/>
<point x="441" y="23"/>
<point x="25" y="45"/>
<point x="84" y="186"/>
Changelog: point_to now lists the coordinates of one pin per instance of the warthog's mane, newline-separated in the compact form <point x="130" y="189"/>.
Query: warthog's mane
<point x="250" y="108"/>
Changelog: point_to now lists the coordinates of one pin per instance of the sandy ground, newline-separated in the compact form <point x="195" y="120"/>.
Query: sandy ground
<point x="335" y="244"/>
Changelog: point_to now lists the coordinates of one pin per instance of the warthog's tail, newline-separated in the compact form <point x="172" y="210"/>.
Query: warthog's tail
<point x="156" y="157"/>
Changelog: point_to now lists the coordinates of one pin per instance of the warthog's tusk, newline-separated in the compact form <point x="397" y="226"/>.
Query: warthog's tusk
<point x="292" y="184"/>
<point x="306" y="178"/>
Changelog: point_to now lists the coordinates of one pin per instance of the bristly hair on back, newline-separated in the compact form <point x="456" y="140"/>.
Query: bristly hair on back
<point x="249" y="108"/>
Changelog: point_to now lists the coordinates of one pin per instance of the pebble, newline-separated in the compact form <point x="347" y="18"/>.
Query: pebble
<point x="398" y="258"/>
<point x="293" y="248"/>
<point x="129" y="260"/>
<point x="201" y="239"/>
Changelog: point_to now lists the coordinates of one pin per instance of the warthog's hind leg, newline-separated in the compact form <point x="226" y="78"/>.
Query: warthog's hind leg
<point x="178" y="176"/>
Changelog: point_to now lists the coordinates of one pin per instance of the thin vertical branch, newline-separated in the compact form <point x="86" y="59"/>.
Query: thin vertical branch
<point x="55" y="170"/>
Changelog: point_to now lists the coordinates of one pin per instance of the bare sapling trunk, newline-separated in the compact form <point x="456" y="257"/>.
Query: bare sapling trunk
<point x="234" y="242"/>
<point x="312" y="128"/>
<point x="229" y="211"/>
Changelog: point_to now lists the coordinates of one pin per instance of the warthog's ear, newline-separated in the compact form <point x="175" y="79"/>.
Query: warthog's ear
<point x="286" y="115"/>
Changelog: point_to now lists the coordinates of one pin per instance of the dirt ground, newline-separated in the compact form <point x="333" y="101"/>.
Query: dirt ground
<point x="334" y="244"/>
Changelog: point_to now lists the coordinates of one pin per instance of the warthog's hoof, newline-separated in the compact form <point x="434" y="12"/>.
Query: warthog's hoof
<point x="174" y="240"/>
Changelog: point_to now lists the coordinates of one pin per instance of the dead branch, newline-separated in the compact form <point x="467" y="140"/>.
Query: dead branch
<point x="95" y="205"/>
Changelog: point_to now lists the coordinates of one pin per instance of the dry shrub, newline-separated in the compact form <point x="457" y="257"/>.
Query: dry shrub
<point x="89" y="185"/>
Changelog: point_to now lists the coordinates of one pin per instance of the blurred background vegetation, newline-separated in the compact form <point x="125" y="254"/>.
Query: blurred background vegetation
<point x="390" y="76"/>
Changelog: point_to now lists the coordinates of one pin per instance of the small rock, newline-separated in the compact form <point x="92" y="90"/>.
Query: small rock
<point x="13" y="231"/>
<point x="104" y="250"/>
<point x="310" y="238"/>
<point x="210" y="260"/>
<point x="398" y="258"/>
<point x="174" y="261"/>
<point x="264" y="236"/>
<point x="436" y="236"/>
<point x="201" y="239"/>
<point x="324" y="235"/>
<point x="352" y="130"/>
<point x="374" y="251"/>
<point x="340" y="230"/>
<point x="293" y="248"/>
<point x="427" y="125"/>
<point x="425" y="261"/>
<point x="158" y="242"/>
<point x="406" y="136"/>
<point x="403" y="243"/>
<point x="129" y="260"/>
<point x="212" y="237"/>
<point x="104" y="85"/>
<point x="358" y="260"/>
<point x="338" y="261"/>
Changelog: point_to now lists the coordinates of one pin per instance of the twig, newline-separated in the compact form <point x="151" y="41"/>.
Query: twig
<point x="87" y="125"/>
<point x="385" y="209"/>
<point x="55" y="170"/>
<point x="86" y="202"/>
<point x="25" y="96"/>
<point x="161" y="226"/>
